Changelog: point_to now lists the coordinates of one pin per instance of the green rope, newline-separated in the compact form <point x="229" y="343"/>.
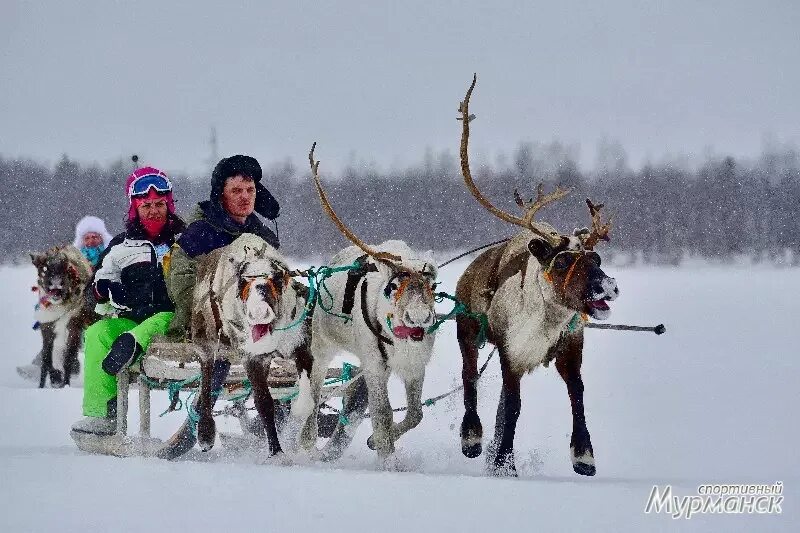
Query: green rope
<point x="345" y="376"/>
<point x="173" y="390"/>
<point x="573" y="324"/>
<point x="310" y="302"/>
<point x="316" y="288"/>
<point x="460" y="309"/>
<point x="193" y="416"/>
<point x="321" y="277"/>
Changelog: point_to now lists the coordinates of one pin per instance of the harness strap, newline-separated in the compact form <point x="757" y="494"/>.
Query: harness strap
<point x="569" y="273"/>
<point x="374" y="329"/>
<point x="353" y="277"/>
<point x="223" y="338"/>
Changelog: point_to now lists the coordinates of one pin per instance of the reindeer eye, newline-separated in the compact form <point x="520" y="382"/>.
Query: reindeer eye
<point x="390" y="288"/>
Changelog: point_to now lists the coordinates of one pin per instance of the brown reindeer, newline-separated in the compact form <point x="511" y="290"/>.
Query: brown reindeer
<point x="62" y="314"/>
<point x="534" y="289"/>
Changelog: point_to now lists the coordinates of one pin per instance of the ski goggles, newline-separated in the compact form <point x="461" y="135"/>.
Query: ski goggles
<point x="141" y="186"/>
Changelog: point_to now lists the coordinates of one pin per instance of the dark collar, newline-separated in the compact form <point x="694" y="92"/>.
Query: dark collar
<point x="219" y="218"/>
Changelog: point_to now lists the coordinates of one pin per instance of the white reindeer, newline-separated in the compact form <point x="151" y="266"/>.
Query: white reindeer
<point x="390" y="302"/>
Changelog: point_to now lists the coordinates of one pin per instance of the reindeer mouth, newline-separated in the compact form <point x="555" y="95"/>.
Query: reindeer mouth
<point x="405" y="332"/>
<point x="55" y="294"/>
<point x="259" y="331"/>
<point x="599" y="305"/>
<point x="598" y="309"/>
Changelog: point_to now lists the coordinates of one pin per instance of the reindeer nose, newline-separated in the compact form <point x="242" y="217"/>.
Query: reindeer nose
<point x="421" y="318"/>
<point x="609" y="287"/>
<point x="260" y="311"/>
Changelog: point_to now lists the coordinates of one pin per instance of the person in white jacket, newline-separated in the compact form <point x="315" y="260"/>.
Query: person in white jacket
<point x="91" y="238"/>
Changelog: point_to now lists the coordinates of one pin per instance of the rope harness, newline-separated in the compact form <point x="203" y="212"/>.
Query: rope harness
<point x="317" y="294"/>
<point x="579" y="317"/>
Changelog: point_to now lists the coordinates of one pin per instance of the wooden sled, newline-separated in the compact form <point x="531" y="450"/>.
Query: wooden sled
<point x="166" y="363"/>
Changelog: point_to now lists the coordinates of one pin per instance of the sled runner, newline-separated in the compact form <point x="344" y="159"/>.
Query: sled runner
<point x="173" y="365"/>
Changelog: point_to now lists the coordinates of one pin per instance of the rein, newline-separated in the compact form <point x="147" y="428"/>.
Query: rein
<point x="382" y="339"/>
<point x="478" y="249"/>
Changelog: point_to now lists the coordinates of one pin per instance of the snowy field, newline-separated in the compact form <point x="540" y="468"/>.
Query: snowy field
<point x="709" y="402"/>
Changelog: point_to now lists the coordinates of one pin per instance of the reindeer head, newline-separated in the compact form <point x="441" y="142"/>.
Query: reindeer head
<point x="408" y="303"/>
<point x="265" y="299"/>
<point x="569" y="267"/>
<point x="57" y="279"/>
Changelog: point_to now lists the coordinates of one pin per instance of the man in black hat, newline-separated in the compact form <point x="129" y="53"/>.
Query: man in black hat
<point x="236" y="196"/>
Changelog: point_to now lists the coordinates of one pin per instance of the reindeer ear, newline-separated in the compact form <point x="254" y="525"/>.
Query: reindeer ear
<point x="540" y="249"/>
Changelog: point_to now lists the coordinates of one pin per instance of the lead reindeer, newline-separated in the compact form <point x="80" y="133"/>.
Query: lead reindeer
<point x="390" y="304"/>
<point x="534" y="289"/>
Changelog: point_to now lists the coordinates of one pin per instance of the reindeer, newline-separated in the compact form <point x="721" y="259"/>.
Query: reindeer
<point x="388" y="309"/>
<point x="245" y="298"/>
<point x="62" y="314"/>
<point x="535" y="290"/>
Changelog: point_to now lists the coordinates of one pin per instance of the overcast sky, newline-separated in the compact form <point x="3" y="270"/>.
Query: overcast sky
<point x="380" y="81"/>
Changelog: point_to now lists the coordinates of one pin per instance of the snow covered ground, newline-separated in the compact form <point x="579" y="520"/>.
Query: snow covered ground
<point x="709" y="402"/>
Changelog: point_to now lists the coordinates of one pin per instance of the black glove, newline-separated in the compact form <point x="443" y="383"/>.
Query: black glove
<point x="110" y="290"/>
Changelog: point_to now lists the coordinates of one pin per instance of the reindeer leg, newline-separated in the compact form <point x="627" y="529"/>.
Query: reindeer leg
<point x="258" y="374"/>
<point x="48" y="340"/>
<point x="71" y="352"/>
<point x="507" y="416"/>
<point x="380" y="411"/>
<point x="471" y="428"/>
<point x="568" y="364"/>
<point x="206" y="427"/>
<point x="306" y="406"/>
<point x="414" y="408"/>
<point x="354" y="407"/>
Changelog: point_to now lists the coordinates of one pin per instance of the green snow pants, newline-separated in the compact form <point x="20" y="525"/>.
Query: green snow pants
<point x="98" y="387"/>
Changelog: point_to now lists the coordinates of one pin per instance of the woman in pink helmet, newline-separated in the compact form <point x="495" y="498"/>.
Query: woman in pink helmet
<point x="129" y="284"/>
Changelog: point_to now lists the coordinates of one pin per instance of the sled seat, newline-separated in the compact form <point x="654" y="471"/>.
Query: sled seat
<point x="170" y="362"/>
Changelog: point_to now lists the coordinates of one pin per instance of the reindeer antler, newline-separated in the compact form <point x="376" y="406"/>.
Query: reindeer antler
<point x="326" y="205"/>
<point x="544" y="231"/>
<point x="542" y="200"/>
<point x="599" y="230"/>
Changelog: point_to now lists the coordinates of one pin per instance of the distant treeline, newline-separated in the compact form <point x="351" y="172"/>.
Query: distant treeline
<point x="663" y="213"/>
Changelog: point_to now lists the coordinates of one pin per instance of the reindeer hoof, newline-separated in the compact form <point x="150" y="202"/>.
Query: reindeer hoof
<point x="278" y="459"/>
<point x="471" y="448"/>
<point x="584" y="469"/>
<point x="392" y="463"/>
<point x="371" y="443"/>
<point x="471" y="436"/>
<point x="503" y="467"/>
<point x="583" y="464"/>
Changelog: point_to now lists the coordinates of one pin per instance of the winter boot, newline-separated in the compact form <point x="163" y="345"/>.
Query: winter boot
<point x="95" y="426"/>
<point x="124" y="351"/>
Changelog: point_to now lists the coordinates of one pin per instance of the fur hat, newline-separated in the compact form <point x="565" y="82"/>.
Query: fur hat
<point x="244" y="165"/>
<point x="90" y="224"/>
<point x="138" y="173"/>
